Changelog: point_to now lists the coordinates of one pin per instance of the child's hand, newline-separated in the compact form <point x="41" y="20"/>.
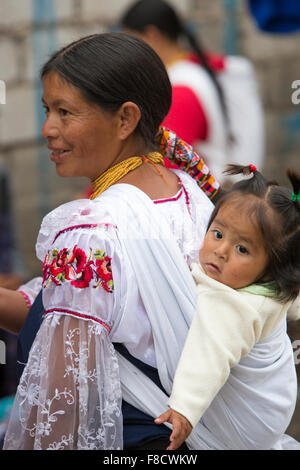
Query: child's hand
<point x="181" y="427"/>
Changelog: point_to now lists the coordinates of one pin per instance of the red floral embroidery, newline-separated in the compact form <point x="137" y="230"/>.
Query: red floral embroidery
<point x="80" y="258"/>
<point x="84" y="277"/>
<point x="103" y="269"/>
<point x="59" y="263"/>
<point x="78" y="268"/>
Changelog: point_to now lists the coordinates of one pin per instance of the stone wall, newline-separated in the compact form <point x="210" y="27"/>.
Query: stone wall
<point x="31" y="29"/>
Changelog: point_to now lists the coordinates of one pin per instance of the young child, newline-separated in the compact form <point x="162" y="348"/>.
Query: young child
<point x="248" y="273"/>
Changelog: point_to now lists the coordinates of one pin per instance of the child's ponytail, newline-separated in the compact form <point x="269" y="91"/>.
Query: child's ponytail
<point x="255" y="185"/>
<point x="233" y="169"/>
<point x="295" y="180"/>
<point x="286" y="204"/>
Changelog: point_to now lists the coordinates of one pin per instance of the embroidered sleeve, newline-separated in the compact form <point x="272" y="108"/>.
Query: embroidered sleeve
<point x="78" y="267"/>
<point x="31" y="289"/>
<point x="79" y="273"/>
<point x="69" y="396"/>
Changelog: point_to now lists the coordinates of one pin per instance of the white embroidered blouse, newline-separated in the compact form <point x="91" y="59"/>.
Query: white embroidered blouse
<point x="69" y="395"/>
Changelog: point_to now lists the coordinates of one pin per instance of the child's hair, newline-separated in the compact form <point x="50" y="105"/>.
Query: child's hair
<point x="276" y="212"/>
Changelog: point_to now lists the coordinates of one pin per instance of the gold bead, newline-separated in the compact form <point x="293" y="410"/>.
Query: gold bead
<point x="116" y="172"/>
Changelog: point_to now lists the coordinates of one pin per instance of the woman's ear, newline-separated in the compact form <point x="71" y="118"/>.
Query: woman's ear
<point x="129" y="117"/>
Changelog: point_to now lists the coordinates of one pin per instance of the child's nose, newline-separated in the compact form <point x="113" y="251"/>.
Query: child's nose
<point x="222" y="251"/>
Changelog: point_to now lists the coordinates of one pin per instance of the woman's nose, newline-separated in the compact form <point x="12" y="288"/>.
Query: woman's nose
<point x="50" y="128"/>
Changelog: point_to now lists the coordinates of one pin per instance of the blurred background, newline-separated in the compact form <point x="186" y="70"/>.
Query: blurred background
<point x="30" y="30"/>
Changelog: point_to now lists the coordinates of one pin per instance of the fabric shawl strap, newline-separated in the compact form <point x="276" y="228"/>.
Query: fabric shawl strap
<point x="170" y="313"/>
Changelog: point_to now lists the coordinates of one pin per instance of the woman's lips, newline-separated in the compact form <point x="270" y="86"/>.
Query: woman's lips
<point x="58" y="155"/>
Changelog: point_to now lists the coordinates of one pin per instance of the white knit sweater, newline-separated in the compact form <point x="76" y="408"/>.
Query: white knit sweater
<point x="224" y="329"/>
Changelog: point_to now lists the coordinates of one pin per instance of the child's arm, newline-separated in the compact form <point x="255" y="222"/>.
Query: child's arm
<point x="13" y="310"/>
<point x="182" y="428"/>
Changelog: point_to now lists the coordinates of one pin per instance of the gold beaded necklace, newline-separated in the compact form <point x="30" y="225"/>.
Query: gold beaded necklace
<point x="116" y="172"/>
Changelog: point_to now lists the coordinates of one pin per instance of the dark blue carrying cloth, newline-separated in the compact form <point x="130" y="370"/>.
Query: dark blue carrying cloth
<point x="139" y="428"/>
<point x="28" y="333"/>
<point x="276" y="16"/>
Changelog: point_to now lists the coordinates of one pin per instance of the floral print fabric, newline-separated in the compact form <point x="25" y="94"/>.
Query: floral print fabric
<point x="78" y="268"/>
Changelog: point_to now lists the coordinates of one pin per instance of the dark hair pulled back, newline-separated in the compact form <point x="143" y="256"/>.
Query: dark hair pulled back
<point x="277" y="216"/>
<point x="161" y="15"/>
<point x="112" y="68"/>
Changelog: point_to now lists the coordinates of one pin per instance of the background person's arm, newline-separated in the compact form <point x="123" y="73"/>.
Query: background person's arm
<point x="13" y="310"/>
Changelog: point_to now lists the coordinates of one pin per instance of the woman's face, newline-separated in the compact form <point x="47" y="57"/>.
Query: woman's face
<point x="81" y="136"/>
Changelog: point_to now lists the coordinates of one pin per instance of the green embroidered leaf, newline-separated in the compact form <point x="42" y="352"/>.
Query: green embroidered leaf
<point x="61" y="276"/>
<point x="99" y="254"/>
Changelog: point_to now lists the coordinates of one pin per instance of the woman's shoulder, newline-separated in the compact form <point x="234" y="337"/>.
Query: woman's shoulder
<point x="116" y="208"/>
<point x="87" y="211"/>
<point x="71" y="216"/>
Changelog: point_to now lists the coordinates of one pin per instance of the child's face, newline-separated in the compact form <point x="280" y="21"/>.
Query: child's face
<point x="233" y="251"/>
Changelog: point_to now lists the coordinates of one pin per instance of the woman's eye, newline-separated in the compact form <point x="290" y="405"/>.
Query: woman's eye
<point x="242" y="249"/>
<point x="46" y="109"/>
<point x="63" y="112"/>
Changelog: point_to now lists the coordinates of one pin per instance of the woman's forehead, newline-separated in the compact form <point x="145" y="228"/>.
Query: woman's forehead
<point x="55" y="83"/>
<point x="60" y="93"/>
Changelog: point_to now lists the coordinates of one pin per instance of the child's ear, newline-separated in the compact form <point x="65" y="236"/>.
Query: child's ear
<point x="129" y="117"/>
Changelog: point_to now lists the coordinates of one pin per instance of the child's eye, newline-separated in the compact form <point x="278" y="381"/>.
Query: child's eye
<point x="243" y="250"/>
<point x="217" y="234"/>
